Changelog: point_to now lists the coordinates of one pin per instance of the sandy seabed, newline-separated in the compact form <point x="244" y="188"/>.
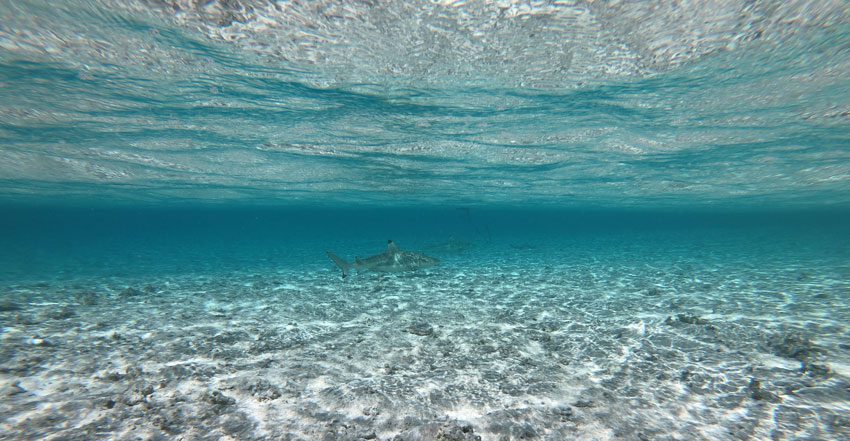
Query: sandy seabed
<point x="499" y="352"/>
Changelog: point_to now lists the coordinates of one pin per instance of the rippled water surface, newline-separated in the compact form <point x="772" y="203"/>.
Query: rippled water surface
<point x="599" y="103"/>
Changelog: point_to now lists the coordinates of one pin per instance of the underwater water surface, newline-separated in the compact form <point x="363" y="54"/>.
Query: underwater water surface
<point x="641" y="213"/>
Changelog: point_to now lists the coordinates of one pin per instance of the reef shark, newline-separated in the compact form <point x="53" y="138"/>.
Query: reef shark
<point x="391" y="260"/>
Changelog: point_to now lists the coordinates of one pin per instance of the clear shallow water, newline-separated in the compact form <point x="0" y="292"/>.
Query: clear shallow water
<point x="207" y="323"/>
<point x="641" y="212"/>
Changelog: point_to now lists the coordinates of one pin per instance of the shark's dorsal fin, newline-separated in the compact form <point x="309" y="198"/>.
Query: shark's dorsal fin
<point x="391" y="247"/>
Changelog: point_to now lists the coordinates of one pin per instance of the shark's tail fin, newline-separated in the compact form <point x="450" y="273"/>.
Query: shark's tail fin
<point x="343" y="265"/>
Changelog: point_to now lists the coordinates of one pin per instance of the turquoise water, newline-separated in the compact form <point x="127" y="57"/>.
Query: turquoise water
<point x="641" y="212"/>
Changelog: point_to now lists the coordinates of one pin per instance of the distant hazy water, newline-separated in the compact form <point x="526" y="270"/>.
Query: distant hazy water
<point x="68" y="243"/>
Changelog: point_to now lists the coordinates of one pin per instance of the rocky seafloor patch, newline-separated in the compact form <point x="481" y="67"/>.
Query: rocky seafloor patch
<point x="500" y="353"/>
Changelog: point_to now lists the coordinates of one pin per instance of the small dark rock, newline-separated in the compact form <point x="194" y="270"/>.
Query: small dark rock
<point x="62" y="313"/>
<point x="795" y="346"/>
<point x="143" y="389"/>
<point x="13" y="389"/>
<point x="686" y="319"/>
<point x="109" y="404"/>
<point x="447" y="431"/>
<point x="263" y="390"/>
<point x="87" y="298"/>
<point x="837" y="422"/>
<point x="24" y="319"/>
<point x="133" y="372"/>
<point x="759" y="394"/>
<point x="237" y="424"/>
<point x="653" y="292"/>
<point x="488" y="349"/>
<point x="584" y="403"/>
<point x="170" y="420"/>
<point x="230" y="337"/>
<point x="563" y="412"/>
<point x="457" y="432"/>
<point x="421" y="328"/>
<point x="131" y="292"/>
<point x="113" y="376"/>
<point x="511" y="430"/>
<point x="7" y="305"/>
<point x="513" y="390"/>
<point x="219" y="399"/>
<point x="550" y="326"/>
<point x="137" y="394"/>
<point x="816" y="370"/>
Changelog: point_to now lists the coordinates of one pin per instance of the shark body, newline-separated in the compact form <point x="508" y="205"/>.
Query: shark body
<point x="391" y="260"/>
